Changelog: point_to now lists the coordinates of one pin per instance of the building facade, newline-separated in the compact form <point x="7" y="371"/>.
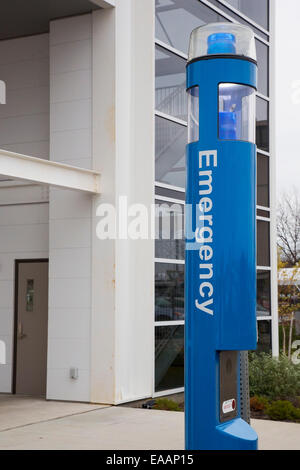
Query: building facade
<point x="96" y="117"/>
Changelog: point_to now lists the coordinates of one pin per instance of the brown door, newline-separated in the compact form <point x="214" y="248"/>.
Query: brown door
<point x="31" y="328"/>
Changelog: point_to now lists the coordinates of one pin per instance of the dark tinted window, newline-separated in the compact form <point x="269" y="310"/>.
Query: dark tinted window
<point x="262" y="180"/>
<point x="170" y="90"/>
<point x="262" y="213"/>
<point x="263" y="243"/>
<point x="262" y="124"/>
<point x="169" y="357"/>
<point x="170" y="142"/>
<point x="169" y="292"/>
<point x="263" y="306"/>
<point x="264" y="343"/>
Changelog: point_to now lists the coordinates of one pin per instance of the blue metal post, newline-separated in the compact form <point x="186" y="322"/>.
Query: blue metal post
<point x="220" y="293"/>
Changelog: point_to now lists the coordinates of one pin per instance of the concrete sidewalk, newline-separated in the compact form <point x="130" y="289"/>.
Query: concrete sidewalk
<point x="37" y="424"/>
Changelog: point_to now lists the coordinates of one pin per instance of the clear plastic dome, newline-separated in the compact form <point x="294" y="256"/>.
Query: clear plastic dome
<point x="222" y="38"/>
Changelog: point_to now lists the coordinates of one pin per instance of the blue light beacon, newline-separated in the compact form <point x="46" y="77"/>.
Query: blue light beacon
<point x="220" y="234"/>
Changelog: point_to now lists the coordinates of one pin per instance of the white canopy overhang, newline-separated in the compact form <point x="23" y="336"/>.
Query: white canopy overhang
<point x="14" y="166"/>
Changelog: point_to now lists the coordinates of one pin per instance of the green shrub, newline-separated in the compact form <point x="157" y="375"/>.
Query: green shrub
<point x="273" y="378"/>
<point x="283" y="410"/>
<point x="166" y="404"/>
<point x="258" y="403"/>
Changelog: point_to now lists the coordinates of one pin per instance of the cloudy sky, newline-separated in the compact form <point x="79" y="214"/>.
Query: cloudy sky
<point x="287" y="88"/>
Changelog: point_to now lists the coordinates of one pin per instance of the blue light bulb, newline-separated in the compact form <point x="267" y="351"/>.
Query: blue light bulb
<point x="221" y="43"/>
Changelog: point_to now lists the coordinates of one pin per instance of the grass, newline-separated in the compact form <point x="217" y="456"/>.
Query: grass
<point x="167" y="405"/>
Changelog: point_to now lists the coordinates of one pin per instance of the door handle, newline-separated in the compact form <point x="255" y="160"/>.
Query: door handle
<point x="20" y="335"/>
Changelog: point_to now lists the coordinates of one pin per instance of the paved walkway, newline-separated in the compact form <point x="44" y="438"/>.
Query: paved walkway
<point x="27" y="423"/>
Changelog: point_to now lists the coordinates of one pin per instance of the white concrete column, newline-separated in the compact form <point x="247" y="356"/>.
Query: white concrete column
<point x="122" y="327"/>
<point x="70" y="214"/>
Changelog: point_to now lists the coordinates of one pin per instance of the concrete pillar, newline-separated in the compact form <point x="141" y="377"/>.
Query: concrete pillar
<point x="122" y="328"/>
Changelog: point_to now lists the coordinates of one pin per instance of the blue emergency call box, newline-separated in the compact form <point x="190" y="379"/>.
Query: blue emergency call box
<point x="220" y="284"/>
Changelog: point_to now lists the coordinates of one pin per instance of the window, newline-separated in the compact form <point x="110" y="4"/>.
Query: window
<point x="262" y="124"/>
<point x="170" y="92"/>
<point x="257" y="10"/>
<point x="169" y="292"/>
<point x="29" y="295"/>
<point x="264" y="339"/>
<point x="170" y="142"/>
<point x="175" y="20"/>
<point x="263" y="180"/>
<point x="169" y="357"/>
<point x="227" y="8"/>
<point x="263" y="243"/>
<point x="263" y="306"/>
<point x="193" y="114"/>
<point x="169" y="223"/>
<point x="262" y="52"/>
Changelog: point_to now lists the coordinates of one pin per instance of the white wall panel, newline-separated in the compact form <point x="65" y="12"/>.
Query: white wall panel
<point x="68" y="204"/>
<point x="61" y="319"/>
<point x="69" y="293"/>
<point x="24" y="49"/>
<point x="71" y="263"/>
<point x="70" y="115"/>
<point x="26" y="74"/>
<point x="70" y="56"/>
<point x="69" y="233"/>
<point x="38" y="149"/>
<point x="24" y="119"/>
<point x="71" y="86"/>
<point x="65" y="351"/>
<point x="71" y="144"/>
<point x="77" y="28"/>
<point x="26" y="101"/>
<point x="68" y="389"/>
<point x="24" y="128"/>
<point x="70" y="212"/>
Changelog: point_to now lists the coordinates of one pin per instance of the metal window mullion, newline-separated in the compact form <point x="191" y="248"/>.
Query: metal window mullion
<point x="263" y="152"/>
<point x="169" y="186"/>
<point x="263" y="268"/>
<point x="262" y="96"/>
<point x="168" y="392"/>
<point x="245" y="17"/>
<point x="168" y="117"/>
<point x="263" y="208"/>
<point x="169" y="261"/>
<point x="169" y="323"/>
<point x="264" y="219"/>
<point x="169" y="48"/>
<point x="228" y="17"/>
<point x="169" y="199"/>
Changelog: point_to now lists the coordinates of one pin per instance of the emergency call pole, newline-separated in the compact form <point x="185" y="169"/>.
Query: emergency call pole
<point x="220" y="294"/>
